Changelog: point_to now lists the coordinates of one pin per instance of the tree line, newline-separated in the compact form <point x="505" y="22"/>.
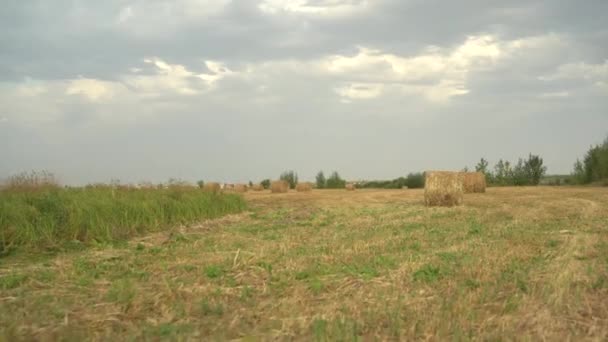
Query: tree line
<point x="594" y="166"/>
<point x="528" y="171"/>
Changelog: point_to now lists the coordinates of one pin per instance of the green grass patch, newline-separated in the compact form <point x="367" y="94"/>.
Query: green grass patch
<point x="67" y="217"/>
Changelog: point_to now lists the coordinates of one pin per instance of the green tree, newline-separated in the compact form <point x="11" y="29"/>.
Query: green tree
<point x="578" y="174"/>
<point x="415" y="180"/>
<point x="503" y="174"/>
<point x="201" y="184"/>
<point x="265" y="183"/>
<point x="290" y="177"/>
<point x="594" y="166"/>
<point x="335" y="181"/>
<point x="320" y="180"/>
<point x="483" y="167"/>
<point x="520" y="175"/>
<point x="534" y="169"/>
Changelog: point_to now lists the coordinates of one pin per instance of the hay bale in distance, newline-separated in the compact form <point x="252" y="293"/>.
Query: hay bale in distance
<point x="304" y="187"/>
<point x="279" y="187"/>
<point x="257" y="187"/>
<point x="350" y="187"/>
<point x="212" y="187"/>
<point x="240" y="188"/>
<point x="474" y="182"/>
<point x="443" y="188"/>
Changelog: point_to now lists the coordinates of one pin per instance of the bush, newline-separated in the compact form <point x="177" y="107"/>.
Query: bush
<point x="415" y="180"/>
<point x="335" y="181"/>
<point x="266" y="183"/>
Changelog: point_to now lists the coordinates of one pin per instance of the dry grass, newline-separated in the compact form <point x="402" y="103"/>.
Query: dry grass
<point x="304" y="187"/>
<point x="212" y="187"/>
<point x="474" y="182"/>
<point x="257" y="187"/>
<point x="240" y="188"/>
<point x="511" y="264"/>
<point x="443" y="188"/>
<point x="279" y="187"/>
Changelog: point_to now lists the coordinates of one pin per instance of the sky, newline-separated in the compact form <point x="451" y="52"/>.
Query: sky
<point x="232" y="91"/>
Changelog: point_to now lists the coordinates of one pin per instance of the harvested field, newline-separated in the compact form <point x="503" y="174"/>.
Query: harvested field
<point x="257" y="187"/>
<point x="511" y="264"/>
<point x="240" y="188"/>
<point x="304" y="187"/>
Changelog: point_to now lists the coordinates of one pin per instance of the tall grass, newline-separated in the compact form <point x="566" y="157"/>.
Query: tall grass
<point x="48" y="217"/>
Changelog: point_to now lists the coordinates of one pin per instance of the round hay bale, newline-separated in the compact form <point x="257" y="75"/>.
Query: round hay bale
<point x="443" y="188"/>
<point x="212" y="187"/>
<point x="350" y="187"/>
<point x="474" y="182"/>
<point x="240" y="188"/>
<point x="304" y="187"/>
<point x="257" y="187"/>
<point x="279" y="187"/>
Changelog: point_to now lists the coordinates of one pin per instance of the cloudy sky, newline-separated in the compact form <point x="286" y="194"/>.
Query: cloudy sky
<point x="233" y="90"/>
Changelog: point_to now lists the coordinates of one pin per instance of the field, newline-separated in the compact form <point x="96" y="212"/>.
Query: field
<point x="514" y="263"/>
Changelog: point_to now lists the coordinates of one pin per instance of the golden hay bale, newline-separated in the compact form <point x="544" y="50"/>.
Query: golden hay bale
<point x="350" y="187"/>
<point x="257" y="187"/>
<point x="304" y="187"/>
<point x="278" y="187"/>
<point x="241" y="188"/>
<point x="212" y="187"/>
<point x="474" y="182"/>
<point x="443" y="188"/>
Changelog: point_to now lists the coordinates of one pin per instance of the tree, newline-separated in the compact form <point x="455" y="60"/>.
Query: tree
<point x="534" y="169"/>
<point x="415" y="180"/>
<point x="250" y="184"/>
<point x="201" y="184"/>
<point x="483" y="167"/>
<point x="265" y="183"/>
<point x="594" y="166"/>
<point x="290" y="177"/>
<point x="519" y="174"/>
<point x="335" y="181"/>
<point x="503" y="174"/>
<point x="320" y="180"/>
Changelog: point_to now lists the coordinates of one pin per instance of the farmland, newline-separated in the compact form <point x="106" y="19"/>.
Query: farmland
<point x="513" y="263"/>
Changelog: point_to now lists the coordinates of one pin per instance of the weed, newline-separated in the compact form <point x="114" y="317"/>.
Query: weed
<point x="214" y="271"/>
<point x="428" y="274"/>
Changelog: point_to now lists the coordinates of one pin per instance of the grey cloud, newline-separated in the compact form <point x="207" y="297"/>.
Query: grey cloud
<point x="255" y="125"/>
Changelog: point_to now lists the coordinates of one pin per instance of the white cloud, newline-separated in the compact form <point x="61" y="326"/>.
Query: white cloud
<point x="93" y="89"/>
<point x="176" y="78"/>
<point x="329" y="8"/>
<point x="554" y="95"/>
<point x="357" y="91"/>
<point x="572" y="71"/>
<point x="437" y="74"/>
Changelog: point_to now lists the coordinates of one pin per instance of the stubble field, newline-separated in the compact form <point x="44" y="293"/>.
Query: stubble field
<point x="514" y="263"/>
